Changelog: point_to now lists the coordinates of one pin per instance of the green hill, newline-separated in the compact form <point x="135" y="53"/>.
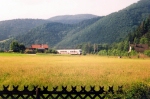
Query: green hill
<point x="72" y="19"/>
<point x="111" y="28"/>
<point x="52" y="33"/>
<point x="108" y="29"/>
<point x="12" y="28"/>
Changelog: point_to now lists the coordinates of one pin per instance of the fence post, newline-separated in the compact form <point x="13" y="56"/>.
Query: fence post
<point x="38" y="93"/>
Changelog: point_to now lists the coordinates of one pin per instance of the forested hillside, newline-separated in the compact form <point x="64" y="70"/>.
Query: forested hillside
<point x="142" y="34"/>
<point x="111" y="28"/>
<point x="108" y="29"/>
<point x="52" y="33"/>
<point x="72" y="19"/>
<point x="11" y="28"/>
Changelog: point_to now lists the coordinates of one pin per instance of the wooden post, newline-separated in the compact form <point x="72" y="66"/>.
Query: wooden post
<point x="38" y="93"/>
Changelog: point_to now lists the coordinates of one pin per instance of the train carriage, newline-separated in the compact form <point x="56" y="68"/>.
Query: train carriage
<point x="70" y="51"/>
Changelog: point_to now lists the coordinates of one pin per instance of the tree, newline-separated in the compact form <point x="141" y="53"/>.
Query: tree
<point x="126" y="46"/>
<point x="121" y="46"/>
<point x="22" y="48"/>
<point x="147" y="52"/>
<point x="14" y="46"/>
<point x="136" y="40"/>
<point x="143" y="40"/>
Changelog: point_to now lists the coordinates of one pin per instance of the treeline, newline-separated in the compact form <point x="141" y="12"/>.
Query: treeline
<point x="141" y="35"/>
<point x="15" y="46"/>
<point x="115" y="49"/>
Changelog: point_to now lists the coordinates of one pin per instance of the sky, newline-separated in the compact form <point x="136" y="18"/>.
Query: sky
<point x="44" y="9"/>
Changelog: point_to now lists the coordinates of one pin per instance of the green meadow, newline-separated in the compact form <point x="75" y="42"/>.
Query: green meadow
<point x="72" y="70"/>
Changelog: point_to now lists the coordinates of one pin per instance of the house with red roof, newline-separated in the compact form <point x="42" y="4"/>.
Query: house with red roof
<point x="139" y="47"/>
<point x="38" y="47"/>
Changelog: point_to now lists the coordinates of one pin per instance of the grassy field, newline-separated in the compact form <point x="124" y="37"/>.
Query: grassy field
<point x="57" y="70"/>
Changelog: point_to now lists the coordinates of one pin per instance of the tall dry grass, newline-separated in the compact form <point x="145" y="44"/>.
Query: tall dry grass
<point x="56" y="70"/>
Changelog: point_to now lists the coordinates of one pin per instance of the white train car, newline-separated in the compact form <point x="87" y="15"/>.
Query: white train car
<point x="70" y="51"/>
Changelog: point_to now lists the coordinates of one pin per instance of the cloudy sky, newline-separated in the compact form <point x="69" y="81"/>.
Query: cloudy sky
<point x="44" y="9"/>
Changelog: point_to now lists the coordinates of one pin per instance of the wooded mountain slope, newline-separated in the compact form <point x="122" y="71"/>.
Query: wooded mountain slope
<point x="72" y="19"/>
<point x="111" y="28"/>
<point x="107" y="29"/>
<point x="142" y="34"/>
<point x="52" y="33"/>
<point x="11" y="28"/>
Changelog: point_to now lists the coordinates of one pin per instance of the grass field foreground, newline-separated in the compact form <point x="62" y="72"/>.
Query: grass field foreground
<point x="57" y="70"/>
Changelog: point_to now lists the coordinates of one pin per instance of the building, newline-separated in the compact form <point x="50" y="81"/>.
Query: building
<point x="38" y="47"/>
<point x="70" y="51"/>
<point x="139" y="47"/>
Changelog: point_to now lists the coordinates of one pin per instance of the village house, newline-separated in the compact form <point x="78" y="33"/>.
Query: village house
<point x="139" y="47"/>
<point x="38" y="47"/>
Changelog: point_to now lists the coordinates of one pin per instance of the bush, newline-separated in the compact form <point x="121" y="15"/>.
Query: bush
<point x="147" y="52"/>
<point x="53" y="51"/>
<point x="113" y="52"/>
<point x="133" y="53"/>
<point x="1" y="51"/>
<point x="83" y="53"/>
<point x="138" y="91"/>
<point x="102" y="52"/>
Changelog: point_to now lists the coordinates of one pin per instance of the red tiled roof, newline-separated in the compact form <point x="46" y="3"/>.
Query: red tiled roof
<point x="39" y="46"/>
